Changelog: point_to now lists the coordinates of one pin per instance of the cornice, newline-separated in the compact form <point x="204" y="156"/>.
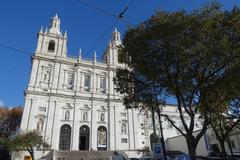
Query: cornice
<point x="74" y="62"/>
<point x="71" y="96"/>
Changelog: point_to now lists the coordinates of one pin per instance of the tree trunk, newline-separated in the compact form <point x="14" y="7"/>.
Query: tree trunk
<point x="31" y="154"/>
<point x="154" y="127"/>
<point x="230" y="147"/>
<point x="191" y="147"/>
<point x="161" y="131"/>
<point x="223" y="149"/>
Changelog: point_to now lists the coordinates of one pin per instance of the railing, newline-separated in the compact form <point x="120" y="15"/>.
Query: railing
<point x="72" y="56"/>
<point x="75" y="57"/>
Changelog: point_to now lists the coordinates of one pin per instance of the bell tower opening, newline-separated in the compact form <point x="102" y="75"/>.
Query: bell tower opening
<point x="51" y="46"/>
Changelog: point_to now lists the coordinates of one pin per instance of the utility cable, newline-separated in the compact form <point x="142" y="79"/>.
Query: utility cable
<point x="102" y="36"/>
<point x="15" y="49"/>
<point x="96" y="8"/>
<point x="119" y="16"/>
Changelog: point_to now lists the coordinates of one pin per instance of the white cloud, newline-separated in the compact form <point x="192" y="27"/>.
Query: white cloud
<point x="1" y="103"/>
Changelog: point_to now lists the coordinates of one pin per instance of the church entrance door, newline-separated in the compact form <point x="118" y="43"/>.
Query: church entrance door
<point x="65" y="137"/>
<point x="84" y="138"/>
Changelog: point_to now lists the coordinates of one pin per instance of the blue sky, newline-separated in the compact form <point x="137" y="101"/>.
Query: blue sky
<point x="21" y="20"/>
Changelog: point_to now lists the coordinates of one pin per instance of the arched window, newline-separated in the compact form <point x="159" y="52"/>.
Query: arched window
<point x="67" y="115"/>
<point x="102" y="117"/>
<point x="85" y="116"/>
<point x="40" y="124"/>
<point x="123" y="128"/>
<point x="51" y="46"/>
<point x="65" y="137"/>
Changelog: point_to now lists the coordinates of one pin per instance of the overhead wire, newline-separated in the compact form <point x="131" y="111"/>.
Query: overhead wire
<point x="96" y="8"/>
<point x="102" y="36"/>
<point x="119" y="16"/>
<point x="15" y="49"/>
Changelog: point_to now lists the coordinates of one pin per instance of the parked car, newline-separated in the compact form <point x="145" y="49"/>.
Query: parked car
<point x="177" y="155"/>
<point x="146" y="158"/>
<point x="218" y="155"/>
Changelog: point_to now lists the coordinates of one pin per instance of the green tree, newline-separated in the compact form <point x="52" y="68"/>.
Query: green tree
<point x="28" y="141"/>
<point x="188" y="55"/>
<point x="141" y="92"/>
<point x="223" y="120"/>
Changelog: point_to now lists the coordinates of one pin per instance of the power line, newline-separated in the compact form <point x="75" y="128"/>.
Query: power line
<point x="15" y="49"/>
<point x="130" y="3"/>
<point x="96" y="8"/>
<point x="119" y="16"/>
<point x="102" y="36"/>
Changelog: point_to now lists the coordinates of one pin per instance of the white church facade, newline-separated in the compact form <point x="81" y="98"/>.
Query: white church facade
<point x="73" y="104"/>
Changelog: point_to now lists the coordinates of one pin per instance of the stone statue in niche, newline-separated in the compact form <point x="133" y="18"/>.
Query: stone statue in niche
<point x="102" y="117"/>
<point x="123" y="128"/>
<point x="85" y="116"/>
<point x="67" y="115"/>
<point x="46" y="77"/>
<point x="40" y="125"/>
<point x="102" y="137"/>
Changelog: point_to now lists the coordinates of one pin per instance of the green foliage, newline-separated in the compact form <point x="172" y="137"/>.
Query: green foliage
<point x="194" y="57"/>
<point x="28" y="141"/>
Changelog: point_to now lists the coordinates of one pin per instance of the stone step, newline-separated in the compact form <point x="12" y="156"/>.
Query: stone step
<point x="82" y="155"/>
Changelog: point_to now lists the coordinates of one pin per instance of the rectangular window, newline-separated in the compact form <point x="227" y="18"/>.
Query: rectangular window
<point x="87" y="82"/>
<point x="43" y="109"/>
<point x="124" y="140"/>
<point x="70" y="79"/>
<point x="102" y="85"/>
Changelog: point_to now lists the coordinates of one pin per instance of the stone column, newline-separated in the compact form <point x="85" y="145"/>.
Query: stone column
<point x="75" y="135"/>
<point x="55" y="77"/>
<point x="50" y="120"/>
<point x="35" y="64"/>
<point x="111" y="127"/>
<point x="94" y="127"/>
<point x="26" y="114"/>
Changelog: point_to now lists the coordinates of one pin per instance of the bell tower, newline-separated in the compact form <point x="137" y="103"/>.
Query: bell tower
<point x="52" y="42"/>
<point x="111" y="53"/>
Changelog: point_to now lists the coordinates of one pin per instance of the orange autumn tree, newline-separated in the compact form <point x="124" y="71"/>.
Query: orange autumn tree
<point x="10" y="120"/>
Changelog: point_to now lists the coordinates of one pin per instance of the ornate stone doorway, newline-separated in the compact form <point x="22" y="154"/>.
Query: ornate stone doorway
<point x="102" y="138"/>
<point x="84" y="138"/>
<point x="65" y="137"/>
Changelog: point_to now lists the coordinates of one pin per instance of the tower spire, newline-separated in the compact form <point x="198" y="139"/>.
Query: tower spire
<point x="54" y="26"/>
<point x="116" y="37"/>
<point x="95" y="57"/>
<point x="80" y="54"/>
<point x="41" y="30"/>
